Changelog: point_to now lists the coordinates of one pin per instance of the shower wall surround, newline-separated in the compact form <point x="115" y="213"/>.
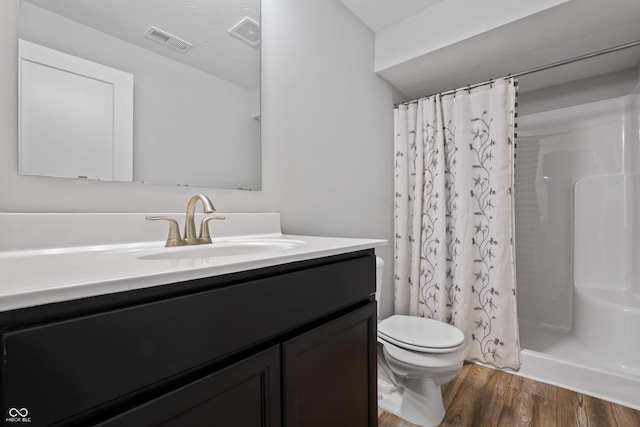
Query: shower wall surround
<point x="577" y="193"/>
<point x="556" y="149"/>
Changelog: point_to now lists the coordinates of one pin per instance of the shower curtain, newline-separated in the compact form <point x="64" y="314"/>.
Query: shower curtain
<point x="454" y="249"/>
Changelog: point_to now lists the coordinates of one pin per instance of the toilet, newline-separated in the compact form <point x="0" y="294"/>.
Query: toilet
<point x="415" y="357"/>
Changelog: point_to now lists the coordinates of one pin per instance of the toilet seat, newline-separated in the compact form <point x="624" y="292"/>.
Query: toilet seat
<point x="420" y="334"/>
<point x="432" y="361"/>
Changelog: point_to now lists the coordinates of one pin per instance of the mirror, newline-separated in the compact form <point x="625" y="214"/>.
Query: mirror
<point x="193" y="116"/>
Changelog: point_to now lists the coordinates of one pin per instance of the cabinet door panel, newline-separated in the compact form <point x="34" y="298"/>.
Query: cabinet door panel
<point x="245" y="394"/>
<point x="330" y="373"/>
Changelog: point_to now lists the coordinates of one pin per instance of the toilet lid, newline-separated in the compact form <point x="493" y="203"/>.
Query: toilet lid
<point x="420" y="334"/>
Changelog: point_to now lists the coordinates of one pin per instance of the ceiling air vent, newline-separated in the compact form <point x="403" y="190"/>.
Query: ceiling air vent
<point x="247" y="30"/>
<point x="167" y="39"/>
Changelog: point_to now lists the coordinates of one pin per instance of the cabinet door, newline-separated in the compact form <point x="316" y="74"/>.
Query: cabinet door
<point x="245" y="394"/>
<point x="330" y="373"/>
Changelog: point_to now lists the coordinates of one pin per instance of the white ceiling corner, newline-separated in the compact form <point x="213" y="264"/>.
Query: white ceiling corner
<point x="555" y="32"/>
<point x="381" y="14"/>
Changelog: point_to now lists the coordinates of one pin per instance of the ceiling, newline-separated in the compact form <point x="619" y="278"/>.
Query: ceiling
<point x="203" y="23"/>
<point x="574" y="28"/>
<point x="380" y="14"/>
<point x="571" y="29"/>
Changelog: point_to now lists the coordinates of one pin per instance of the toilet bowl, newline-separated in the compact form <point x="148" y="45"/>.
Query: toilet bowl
<point x="415" y="357"/>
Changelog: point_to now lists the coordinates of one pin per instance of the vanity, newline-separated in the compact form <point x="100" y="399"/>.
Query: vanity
<point x="103" y="325"/>
<point x="139" y="335"/>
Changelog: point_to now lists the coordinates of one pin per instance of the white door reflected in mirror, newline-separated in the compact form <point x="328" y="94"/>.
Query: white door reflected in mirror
<point x="77" y="112"/>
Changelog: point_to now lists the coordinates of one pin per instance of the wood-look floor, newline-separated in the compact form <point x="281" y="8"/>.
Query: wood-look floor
<point x="481" y="396"/>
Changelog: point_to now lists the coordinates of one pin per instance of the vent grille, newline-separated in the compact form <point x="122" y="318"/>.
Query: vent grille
<point x="167" y="39"/>
<point x="247" y="30"/>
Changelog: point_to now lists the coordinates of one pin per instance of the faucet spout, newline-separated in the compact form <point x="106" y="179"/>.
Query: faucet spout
<point x="190" y="237"/>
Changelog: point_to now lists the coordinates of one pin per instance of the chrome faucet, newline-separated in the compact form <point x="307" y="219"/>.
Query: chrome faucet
<point x="189" y="224"/>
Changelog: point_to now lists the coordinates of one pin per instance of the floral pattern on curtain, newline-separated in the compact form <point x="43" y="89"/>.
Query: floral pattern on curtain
<point x="454" y="249"/>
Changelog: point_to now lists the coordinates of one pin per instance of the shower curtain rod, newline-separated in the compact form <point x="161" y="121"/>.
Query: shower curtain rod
<point x="536" y="69"/>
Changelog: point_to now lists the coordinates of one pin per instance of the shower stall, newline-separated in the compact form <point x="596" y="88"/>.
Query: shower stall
<point x="577" y="197"/>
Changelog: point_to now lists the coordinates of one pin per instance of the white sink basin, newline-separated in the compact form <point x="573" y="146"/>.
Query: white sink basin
<point x="87" y="255"/>
<point x="221" y="249"/>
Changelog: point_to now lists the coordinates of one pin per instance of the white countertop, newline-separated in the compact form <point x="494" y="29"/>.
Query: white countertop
<point x="31" y="277"/>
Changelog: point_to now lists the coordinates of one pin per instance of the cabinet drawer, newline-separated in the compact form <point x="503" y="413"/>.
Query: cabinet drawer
<point x="61" y="370"/>
<point x="245" y="394"/>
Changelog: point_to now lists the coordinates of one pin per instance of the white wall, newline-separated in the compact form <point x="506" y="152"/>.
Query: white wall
<point x="327" y="135"/>
<point x="327" y="124"/>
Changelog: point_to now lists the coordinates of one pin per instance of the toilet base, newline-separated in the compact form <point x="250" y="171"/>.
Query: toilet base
<point x="420" y="402"/>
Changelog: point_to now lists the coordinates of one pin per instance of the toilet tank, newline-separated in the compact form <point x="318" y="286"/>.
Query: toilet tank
<point x="379" y="271"/>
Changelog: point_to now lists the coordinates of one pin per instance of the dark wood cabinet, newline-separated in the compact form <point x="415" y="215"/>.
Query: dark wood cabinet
<point x="329" y="373"/>
<point x="290" y="345"/>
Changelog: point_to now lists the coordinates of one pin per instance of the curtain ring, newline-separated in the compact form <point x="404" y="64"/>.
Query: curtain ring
<point x="469" y="89"/>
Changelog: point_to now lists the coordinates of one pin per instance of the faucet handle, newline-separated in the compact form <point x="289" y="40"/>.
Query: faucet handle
<point x="174" y="238"/>
<point x="205" y="236"/>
